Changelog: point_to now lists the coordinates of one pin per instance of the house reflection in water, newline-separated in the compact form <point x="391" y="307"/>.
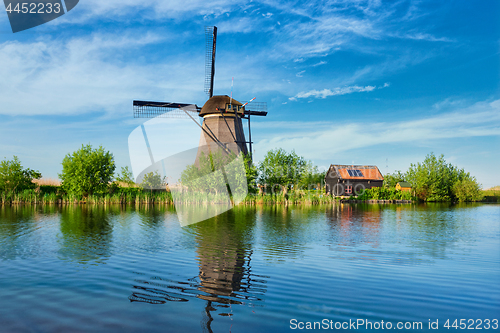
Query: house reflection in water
<point x="355" y="224"/>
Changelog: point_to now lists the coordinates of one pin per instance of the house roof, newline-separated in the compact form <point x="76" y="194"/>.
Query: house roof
<point x="369" y="172"/>
<point x="404" y="184"/>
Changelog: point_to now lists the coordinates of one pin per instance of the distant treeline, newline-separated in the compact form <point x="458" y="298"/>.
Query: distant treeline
<point x="88" y="175"/>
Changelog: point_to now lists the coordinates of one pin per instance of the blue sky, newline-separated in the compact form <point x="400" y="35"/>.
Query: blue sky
<point x="348" y="82"/>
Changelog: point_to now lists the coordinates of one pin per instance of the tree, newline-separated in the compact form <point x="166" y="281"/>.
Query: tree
<point x="311" y="176"/>
<point x="281" y="168"/>
<point x="431" y="179"/>
<point x="153" y="180"/>
<point x="435" y="180"/>
<point x="251" y="174"/>
<point x="87" y="171"/>
<point x="467" y="189"/>
<point x="391" y="179"/>
<point x="219" y="171"/>
<point x="203" y="177"/>
<point x="13" y="178"/>
<point x="126" y="177"/>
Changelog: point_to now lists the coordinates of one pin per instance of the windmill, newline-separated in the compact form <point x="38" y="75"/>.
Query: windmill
<point x="222" y="115"/>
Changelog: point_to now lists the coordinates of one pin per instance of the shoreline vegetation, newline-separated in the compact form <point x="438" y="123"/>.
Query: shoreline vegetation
<point x="166" y="199"/>
<point x="51" y="195"/>
<point x="88" y="177"/>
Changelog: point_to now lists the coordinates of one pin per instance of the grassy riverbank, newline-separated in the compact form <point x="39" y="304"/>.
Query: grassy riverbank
<point x="491" y="194"/>
<point x="54" y="195"/>
<point x="46" y="194"/>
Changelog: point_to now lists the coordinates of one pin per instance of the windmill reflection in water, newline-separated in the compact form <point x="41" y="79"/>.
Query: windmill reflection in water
<point x="225" y="274"/>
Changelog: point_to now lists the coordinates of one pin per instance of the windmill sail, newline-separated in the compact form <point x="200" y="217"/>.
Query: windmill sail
<point x="148" y="109"/>
<point x="211" y="41"/>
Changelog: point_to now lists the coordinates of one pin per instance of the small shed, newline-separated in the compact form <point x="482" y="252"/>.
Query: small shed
<point x="403" y="186"/>
<point x="347" y="180"/>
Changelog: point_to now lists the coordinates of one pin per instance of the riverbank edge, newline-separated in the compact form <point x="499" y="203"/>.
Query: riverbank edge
<point x="246" y="203"/>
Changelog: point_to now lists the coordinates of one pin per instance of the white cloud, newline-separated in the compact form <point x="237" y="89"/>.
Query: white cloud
<point x="319" y="63"/>
<point x="422" y="36"/>
<point x="335" y="92"/>
<point x="448" y="103"/>
<point x="300" y="74"/>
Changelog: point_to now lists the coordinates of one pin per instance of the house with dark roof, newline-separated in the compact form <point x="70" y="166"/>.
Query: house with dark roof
<point x="347" y="180"/>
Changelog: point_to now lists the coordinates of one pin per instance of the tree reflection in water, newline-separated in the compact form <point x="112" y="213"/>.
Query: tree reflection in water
<point x="86" y="232"/>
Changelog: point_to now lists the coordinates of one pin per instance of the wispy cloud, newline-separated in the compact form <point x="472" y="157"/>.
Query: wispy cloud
<point x="316" y="27"/>
<point x="448" y="103"/>
<point x="155" y="8"/>
<point x="335" y="92"/>
<point x="319" y="64"/>
<point x="87" y="74"/>
<point x="311" y="139"/>
<point x="422" y="36"/>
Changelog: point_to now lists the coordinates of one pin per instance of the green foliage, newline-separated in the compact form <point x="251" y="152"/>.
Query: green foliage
<point x="435" y="180"/>
<point x="311" y="177"/>
<point x="467" y="189"/>
<point x="153" y="180"/>
<point x="294" y="197"/>
<point x="203" y="178"/>
<point x="131" y="195"/>
<point x="281" y="168"/>
<point x="87" y="171"/>
<point x="391" y="179"/>
<point x="213" y="174"/>
<point x="126" y="176"/>
<point x="491" y="194"/>
<point x="49" y="189"/>
<point x="384" y="193"/>
<point x="14" y="178"/>
<point x="251" y="174"/>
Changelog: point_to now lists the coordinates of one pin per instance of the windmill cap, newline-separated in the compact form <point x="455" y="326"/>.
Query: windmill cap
<point x="216" y="103"/>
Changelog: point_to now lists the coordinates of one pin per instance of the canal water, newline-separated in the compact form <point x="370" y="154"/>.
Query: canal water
<point x="251" y="269"/>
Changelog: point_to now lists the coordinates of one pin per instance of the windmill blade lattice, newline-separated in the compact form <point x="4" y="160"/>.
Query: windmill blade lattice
<point x="147" y="109"/>
<point x="256" y="107"/>
<point x="210" y="45"/>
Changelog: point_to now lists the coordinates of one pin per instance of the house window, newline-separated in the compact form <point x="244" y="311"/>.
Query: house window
<point x="348" y="189"/>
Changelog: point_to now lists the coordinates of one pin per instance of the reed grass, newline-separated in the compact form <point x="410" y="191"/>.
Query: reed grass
<point x="312" y="197"/>
<point x="38" y="197"/>
<point x="138" y="197"/>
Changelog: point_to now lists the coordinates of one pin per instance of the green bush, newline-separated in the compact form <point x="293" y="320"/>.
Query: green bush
<point x="87" y="171"/>
<point x="435" y="180"/>
<point x="14" y="178"/>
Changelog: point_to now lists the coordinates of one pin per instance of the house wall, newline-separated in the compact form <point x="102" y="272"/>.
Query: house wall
<point x="339" y="188"/>
<point x="404" y="189"/>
